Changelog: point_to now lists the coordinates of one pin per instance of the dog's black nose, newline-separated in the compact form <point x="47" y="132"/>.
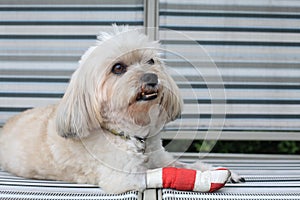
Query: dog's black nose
<point x="150" y="79"/>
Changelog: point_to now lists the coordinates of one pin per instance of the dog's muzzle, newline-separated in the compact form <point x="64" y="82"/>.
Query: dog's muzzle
<point x="149" y="88"/>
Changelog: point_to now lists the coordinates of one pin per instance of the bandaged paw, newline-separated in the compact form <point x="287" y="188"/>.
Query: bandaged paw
<point x="187" y="179"/>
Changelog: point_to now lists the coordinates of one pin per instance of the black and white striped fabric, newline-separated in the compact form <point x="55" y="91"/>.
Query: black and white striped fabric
<point x="14" y="188"/>
<point x="267" y="177"/>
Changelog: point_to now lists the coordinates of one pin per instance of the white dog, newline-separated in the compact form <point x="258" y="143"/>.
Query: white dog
<point x="105" y="130"/>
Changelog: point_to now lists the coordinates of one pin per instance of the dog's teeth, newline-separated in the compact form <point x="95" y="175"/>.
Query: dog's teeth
<point x="150" y="95"/>
<point x="146" y="97"/>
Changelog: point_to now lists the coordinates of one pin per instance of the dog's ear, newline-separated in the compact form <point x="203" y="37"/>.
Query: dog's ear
<point x="78" y="113"/>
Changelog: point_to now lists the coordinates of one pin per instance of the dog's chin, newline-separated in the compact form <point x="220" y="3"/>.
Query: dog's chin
<point x="141" y="104"/>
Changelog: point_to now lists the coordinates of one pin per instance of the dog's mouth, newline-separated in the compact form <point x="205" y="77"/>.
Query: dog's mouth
<point x="147" y="94"/>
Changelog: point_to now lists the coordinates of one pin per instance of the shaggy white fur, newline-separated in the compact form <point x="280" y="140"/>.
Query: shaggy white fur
<point x="106" y="128"/>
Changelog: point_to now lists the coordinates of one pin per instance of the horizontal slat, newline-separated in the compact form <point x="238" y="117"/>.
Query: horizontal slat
<point x="14" y="31"/>
<point x="243" y="94"/>
<point x="238" y="123"/>
<point x="198" y="64"/>
<point x="233" y="135"/>
<point x="51" y="43"/>
<point x="229" y="158"/>
<point x="47" y="67"/>
<point x="255" y="6"/>
<point x="72" y="3"/>
<point x="232" y="36"/>
<point x="61" y="23"/>
<point x="235" y="52"/>
<point x="26" y="102"/>
<point x="65" y="16"/>
<point x="245" y="109"/>
<point x="32" y="88"/>
<point x="203" y="23"/>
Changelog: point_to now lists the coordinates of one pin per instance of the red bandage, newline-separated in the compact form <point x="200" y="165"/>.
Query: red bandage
<point x="187" y="179"/>
<point x="216" y="186"/>
<point x="178" y="178"/>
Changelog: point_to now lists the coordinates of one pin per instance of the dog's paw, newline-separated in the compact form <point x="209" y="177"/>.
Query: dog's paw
<point x="235" y="178"/>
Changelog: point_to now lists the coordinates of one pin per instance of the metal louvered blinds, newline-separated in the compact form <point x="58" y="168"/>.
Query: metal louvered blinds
<point x="255" y="46"/>
<point x="41" y="43"/>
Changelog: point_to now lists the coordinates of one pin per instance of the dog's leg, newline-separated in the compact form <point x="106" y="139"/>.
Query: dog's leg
<point x="166" y="177"/>
<point x="120" y="182"/>
<point x="159" y="157"/>
<point x="187" y="179"/>
<point x="162" y="158"/>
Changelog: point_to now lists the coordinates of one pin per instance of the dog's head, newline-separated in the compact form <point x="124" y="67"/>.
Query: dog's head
<point x="121" y="84"/>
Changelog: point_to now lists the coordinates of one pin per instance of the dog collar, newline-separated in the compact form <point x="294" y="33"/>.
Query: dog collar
<point x="121" y="134"/>
<point x="127" y="137"/>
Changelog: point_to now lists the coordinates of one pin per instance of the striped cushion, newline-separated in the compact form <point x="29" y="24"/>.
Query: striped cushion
<point x="13" y="187"/>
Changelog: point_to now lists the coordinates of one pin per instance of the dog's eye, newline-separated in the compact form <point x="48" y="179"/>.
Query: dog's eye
<point x="150" y="62"/>
<point x="119" y="68"/>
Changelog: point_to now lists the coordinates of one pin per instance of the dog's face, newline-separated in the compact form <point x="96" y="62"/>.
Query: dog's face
<point x="121" y="84"/>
